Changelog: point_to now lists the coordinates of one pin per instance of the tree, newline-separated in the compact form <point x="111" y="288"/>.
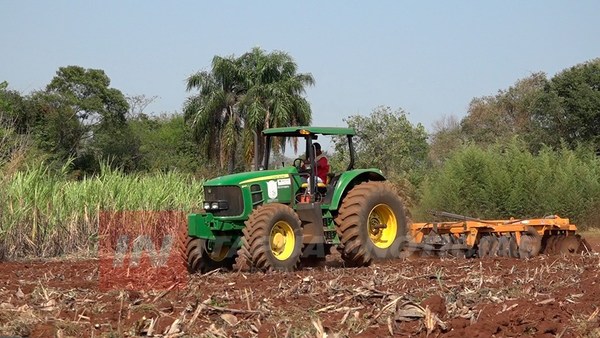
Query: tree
<point x="386" y="139"/>
<point x="446" y="138"/>
<point x="84" y="118"/>
<point x="165" y="143"/>
<point x="58" y="130"/>
<point x="87" y="91"/>
<point x="569" y="109"/>
<point x="214" y="113"/>
<point x="13" y="145"/>
<point x="15" y="108"/>
<point x="138" y="104"/>
<point x="118" y="145"/>
<point x="539" y="111"/>
<point x="274" y="96"/>
<point x="505" y="115"/>
<point x="241" y="96"/>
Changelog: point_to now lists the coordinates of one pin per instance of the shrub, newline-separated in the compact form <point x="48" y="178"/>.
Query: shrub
<point x="509" y="181"/>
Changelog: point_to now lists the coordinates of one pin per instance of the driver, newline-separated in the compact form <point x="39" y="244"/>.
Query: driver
<point x="322" y="163"/>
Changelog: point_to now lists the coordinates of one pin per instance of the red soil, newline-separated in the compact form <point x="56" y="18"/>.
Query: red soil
<point x="546" y="296"/>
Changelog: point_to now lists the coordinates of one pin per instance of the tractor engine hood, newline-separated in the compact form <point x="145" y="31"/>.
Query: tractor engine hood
<point x="251" y="177"/>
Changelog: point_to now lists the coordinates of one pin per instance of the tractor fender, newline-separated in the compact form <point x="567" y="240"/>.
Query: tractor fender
<point x="351" y="178"/>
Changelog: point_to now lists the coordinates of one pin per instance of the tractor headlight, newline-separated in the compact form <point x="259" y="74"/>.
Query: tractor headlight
<point x="215" y="205"/>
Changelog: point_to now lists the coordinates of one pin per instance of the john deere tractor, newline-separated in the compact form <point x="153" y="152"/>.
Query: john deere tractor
<point x="274" y="219"/>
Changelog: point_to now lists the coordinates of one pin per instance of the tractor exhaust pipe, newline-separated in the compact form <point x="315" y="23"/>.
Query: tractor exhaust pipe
<point x="256" y="161"/>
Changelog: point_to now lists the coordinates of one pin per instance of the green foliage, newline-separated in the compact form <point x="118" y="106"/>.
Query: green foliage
<point x="15" y="109"/>
<point x="43" y="213"/>
<point x="499" y="118"/>
<point x="274" y="95"/>
<point x="527" y="151"/>
<point x="241" y="96"/>
<point x="17" y="121"/>
<point x="83" y="118"/>
<point x="212" y="113"/>
<point x="564" y="109"/>
<point x="166" y="143"/>
<point x="87" y="91"/>
<point x="509" y="181"/>
<point x="446" y="138"/>
<point x="12" y="144"/>
<point x="57" y="130"/>
<point x="386" y="140"/>
<point x="569" y="109"/>
<point x="118" y="145"/>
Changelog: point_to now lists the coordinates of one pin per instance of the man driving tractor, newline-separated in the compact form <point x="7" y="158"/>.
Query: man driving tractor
<point x="322" y="163"/>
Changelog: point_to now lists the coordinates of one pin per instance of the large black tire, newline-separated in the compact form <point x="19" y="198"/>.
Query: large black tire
<point x="366" y="208"/>
<point x="273" y="238"/>
<point x="195" y="253"/>
<point x="199" y="259"/>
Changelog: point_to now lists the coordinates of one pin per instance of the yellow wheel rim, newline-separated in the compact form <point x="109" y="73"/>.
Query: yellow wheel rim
<point x="282" y="240"/>
<point x="382" y="226"/>
<point x="219" y="255"/>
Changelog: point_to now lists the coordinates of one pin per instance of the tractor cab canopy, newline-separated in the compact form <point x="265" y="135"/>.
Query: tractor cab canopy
<point x="308" y="133"/>
<point x="303" y="131"/>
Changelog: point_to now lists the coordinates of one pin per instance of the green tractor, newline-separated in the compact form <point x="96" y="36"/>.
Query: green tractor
<point x="274" y="219"/>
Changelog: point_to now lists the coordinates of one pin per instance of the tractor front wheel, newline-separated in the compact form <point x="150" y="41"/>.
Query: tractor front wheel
<point x="200" y="259"/>
<point x="273" y="238"/>
<point x="371" y="223"/>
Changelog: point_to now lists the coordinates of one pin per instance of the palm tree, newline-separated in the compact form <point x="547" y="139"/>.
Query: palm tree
<point x="275" y="95"/>
<point x="242" y="96"/>
<point x="213" y="113"/>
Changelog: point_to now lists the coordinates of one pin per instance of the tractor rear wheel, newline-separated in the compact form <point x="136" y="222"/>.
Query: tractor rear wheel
<point x="371" y="224"/>
<point x="200" y="259"/>
<point x="273" y="238"/>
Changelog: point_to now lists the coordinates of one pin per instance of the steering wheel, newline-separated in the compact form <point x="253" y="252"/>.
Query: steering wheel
<point x="299" y="164"/>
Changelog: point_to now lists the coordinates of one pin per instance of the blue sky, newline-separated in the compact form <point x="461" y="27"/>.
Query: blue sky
<point x="427" y="57"/>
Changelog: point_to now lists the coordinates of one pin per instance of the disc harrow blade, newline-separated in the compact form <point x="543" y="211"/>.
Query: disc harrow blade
<point x="531" y="243"/>
<point x="566" y="244"/>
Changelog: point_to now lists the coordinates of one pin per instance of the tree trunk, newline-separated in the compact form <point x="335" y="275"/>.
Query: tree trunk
<point x="231" y="164"/>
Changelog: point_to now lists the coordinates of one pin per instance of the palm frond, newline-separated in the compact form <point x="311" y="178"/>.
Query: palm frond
<point x="199" y="80"/>
<point x="240" y="95"/>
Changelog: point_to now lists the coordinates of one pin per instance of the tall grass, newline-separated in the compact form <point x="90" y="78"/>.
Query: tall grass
<point x="500" y="182"/>
<point x="46" y="214"/>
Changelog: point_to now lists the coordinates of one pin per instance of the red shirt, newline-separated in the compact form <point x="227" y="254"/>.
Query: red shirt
<point x="322" y="167"/>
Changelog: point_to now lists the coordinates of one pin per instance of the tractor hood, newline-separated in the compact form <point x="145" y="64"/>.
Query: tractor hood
<point x="251" y="177"/>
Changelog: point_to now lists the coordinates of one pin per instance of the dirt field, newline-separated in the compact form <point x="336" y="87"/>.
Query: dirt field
<point x="548" y="296"/>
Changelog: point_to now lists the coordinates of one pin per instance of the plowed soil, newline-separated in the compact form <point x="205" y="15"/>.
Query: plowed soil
<point x="547" y="296"/>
